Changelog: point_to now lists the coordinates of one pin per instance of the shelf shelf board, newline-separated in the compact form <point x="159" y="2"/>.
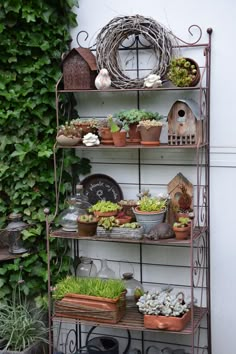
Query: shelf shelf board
<point x="165" y="87"/>
<point x="133" y="320"/>
<point x="132" y="146"/>
<point x="170" y="241"/>
<point x="5" y="255"/>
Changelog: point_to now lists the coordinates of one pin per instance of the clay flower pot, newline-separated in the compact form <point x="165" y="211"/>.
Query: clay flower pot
<point x="168" y="323"/>
<point x="67" y="141"/>
<point x="87" y="228"/>
<point x="134" y="134"/>
<point x="150" y="135"/>
<point x="182" y="233"/>
<point x="119" y="138"/>
<point x="104" y="214"/>
<point x="106" y="136"/>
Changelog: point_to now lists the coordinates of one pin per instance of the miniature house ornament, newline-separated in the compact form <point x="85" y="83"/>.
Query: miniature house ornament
<point x="103" y="81"/>
<point x="185" y="123"/>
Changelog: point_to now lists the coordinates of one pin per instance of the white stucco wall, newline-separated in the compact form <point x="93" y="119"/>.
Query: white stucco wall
<point x="178" y="16"/>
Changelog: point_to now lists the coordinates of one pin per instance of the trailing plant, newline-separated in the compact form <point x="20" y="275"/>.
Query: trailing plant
<point x="109" y="288"/>
<point x="31" y="45"/>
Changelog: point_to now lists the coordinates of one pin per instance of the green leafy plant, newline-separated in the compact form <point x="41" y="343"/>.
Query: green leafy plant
<point x="104" y="206"/>
<point x="109" y="288"/>
<point x="21" y="324"/>
<point x="108" y="222"/>
<point x="182" y="222"/>
<point x="152" y="204"/>
<point x="31" y="45"/>
<point x="182" y="72"/>
<point x="136" y="115"/>
<point x="87" y="218"/>
<point x="116" y="126"/>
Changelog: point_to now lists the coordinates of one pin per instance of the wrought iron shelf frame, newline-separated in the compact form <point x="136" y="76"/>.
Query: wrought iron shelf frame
<point x="198" y="244"/>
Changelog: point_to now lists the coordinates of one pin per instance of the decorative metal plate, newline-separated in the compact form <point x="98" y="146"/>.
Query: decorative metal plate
<point x="101" y="187"/>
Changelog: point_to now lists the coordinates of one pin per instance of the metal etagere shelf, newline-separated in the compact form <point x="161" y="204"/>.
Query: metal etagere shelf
<point x="197" y="246"/>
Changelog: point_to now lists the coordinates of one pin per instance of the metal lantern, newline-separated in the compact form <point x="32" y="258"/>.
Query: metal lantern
<point x="14" y="228"/>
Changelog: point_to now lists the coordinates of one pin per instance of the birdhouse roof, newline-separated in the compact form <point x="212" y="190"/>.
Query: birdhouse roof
<point x="193" y="105"/>
<point x="86" y="54"/>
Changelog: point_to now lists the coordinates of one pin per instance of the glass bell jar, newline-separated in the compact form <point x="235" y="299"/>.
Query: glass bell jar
<point x="105" y="272"/>
<point x="82" y="202"/>
<point x="134" y="289"/>
<point x="68" y="217"/>
<point x="86" y="268"/>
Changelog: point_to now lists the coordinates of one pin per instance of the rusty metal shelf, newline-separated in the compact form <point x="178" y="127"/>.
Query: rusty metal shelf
<point x="171" y="241"/>
<point x="133" y="320"/>
<point x="132" y="146"/>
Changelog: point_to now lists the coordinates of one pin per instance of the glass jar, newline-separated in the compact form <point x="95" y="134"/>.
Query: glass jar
<point x="86" y="268"/>
<point x="68" y="217"/>
<point x="105" y="272"/>
<point x="82" y="202"/>
<point x="134" y="289"/>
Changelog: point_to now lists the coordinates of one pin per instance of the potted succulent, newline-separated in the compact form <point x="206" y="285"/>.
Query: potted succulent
<point x="118" y="131"/>
<point x="150" y="211"/>
<point x="86" y="125"/>
<point x="104" y="208"/>
<point x="68" y="135"/>
<point x="104" y="132"/>
<point x="127" y="206"/>
<point x="182" y="228"/>
<point x="183" y="72"/>
<point x="150" y="130"/>
<point x="163" y="310"/>
<point x="87" y="225"/>
<point x="112" y="227"/>
<point x="132" y="117"/>
<point x="22" y="328"/>
<point x="89" y="297"/>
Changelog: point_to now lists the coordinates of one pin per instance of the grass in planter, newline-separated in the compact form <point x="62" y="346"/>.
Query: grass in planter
<point x="110" y="288"/>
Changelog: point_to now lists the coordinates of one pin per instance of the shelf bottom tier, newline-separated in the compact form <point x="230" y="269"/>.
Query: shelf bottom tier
<point x="133" y="320"/>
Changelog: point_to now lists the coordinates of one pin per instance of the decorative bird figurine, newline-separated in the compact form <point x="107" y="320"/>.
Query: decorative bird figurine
<point x="152" y="81"/>
<point x="103" y="80"/>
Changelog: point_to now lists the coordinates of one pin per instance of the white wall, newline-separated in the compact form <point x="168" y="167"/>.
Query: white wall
<point x="178" y="16"/>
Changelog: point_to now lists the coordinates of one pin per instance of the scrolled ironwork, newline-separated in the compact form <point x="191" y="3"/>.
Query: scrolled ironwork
<point x="190" y="31"/>
<point x="86" y="36"/>
<point x="199" y="262"/>
<point x="70" y="343"/>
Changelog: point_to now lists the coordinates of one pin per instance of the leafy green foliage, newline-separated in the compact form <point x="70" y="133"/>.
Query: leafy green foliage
<point x="109" y="288"/>
<point x="33" y="36"/>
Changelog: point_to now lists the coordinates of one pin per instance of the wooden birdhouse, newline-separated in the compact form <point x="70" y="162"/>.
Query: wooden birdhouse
<point x="79" y="69"/>
<point x="177" y="187"/>
<point x="185" y="123"/>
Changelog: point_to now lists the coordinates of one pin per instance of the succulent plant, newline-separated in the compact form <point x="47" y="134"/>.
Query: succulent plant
<point x="182" y="72"/>
<point x="152" y="203"/>
<point x="104" y="206"/>
<point x="182" y="222"/>
<point x="87" y="218"/>
<point x="69" y="130"/>
<point x="163" y="303"/>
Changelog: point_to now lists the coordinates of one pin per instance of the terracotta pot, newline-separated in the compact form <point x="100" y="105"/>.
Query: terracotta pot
<point x="198" y="75"/>
<point x="106" y="136"/>
<point x="150" y="136"/>
<point x="119" y="138"/>
<point x="182" y="233"/>
<point x="128" y="210"/>
<point x="91" y="308"/>
<point x="101" y="214"/>
<point x="134" y="134"/>
<point x="124" y="219"/>
<point x="66" y="141"/>
<point x="167" y="323"/>
<point x="87" y="228"/>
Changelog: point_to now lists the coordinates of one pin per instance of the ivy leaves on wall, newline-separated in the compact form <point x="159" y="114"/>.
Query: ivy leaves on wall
<point x="33" y="35"/>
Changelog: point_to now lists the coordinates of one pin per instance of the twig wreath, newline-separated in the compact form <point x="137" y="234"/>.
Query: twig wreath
<point x="111" y="37"/>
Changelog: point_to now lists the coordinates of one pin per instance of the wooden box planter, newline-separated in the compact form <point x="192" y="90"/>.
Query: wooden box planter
<point x="91" y="308"/>
<point x="167" y="323"/>
<point x="121" y="232"/>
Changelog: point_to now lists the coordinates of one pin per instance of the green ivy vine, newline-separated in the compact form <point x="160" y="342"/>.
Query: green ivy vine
<point x="33" y="35"/>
